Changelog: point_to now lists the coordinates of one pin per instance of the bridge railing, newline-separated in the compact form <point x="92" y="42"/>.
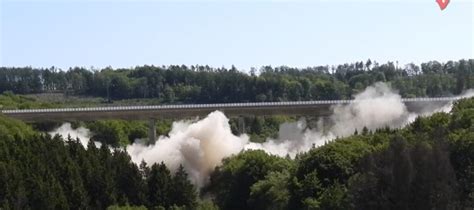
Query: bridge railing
<point x="209" y="106"/>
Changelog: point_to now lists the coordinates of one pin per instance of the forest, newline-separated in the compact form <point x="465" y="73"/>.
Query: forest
<point x="79" y="87"/>
<point x="204" y="84"/>
<point x="427" y="164"/>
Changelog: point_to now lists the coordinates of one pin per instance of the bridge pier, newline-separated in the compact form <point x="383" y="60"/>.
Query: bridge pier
<point x="241" y="125"/>
<point x="151" y="131"/>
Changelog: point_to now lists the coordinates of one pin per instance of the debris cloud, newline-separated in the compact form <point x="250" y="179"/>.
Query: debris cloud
<point x="65" y="130"/>
<point x="378" y="106"/>
<point x="200" y="145"/>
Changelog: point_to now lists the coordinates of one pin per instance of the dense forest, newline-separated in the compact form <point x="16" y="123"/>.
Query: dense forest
<point x="426" y="165"/>
<point x="203" y="84"/>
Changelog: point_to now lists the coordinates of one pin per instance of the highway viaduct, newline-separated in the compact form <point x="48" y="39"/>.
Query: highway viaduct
<point x="153" y="112"/>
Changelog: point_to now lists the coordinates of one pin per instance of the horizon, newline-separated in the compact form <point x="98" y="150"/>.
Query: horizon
<point x="257" y="68"/>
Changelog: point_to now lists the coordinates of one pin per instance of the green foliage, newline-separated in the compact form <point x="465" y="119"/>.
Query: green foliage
<point x="163" y="126"/>
<point x="10" y="129"/>
<point x="335" y="161"/>
<point x="427" y="165"/>
<point x="38" y="171"/>
<point x="207" y="205"/>
<point x="203" y="84"/>
<point x="271" y="192"/>
<point x="8" y="100"/>
<point x="409" y="177"/>
<point x="231" y="182"/>
<point x="127" y="207"/>
<point x="333" y="197"/>
<point x="111" y="132"/>
<point x="183" y="192"/>
<point x="159" y="186"/>
<point x="117" y="132"/>
<point x="259" y="128"/>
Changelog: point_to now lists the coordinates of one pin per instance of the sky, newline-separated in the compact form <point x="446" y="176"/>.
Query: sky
<point x="245" y="33"/>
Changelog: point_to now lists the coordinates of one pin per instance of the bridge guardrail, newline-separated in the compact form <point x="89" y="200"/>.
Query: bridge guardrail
<point x="209" y="106"/>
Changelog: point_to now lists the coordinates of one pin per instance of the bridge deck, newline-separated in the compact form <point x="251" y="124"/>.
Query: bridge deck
<point x="319" y="108"/>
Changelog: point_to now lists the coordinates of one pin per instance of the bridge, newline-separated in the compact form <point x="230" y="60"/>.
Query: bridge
<point x="153" y="112"/>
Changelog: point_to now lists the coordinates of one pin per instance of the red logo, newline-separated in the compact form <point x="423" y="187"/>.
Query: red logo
<point x="442" y="4"/>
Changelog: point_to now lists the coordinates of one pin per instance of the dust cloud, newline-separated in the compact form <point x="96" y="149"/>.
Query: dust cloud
<point x="200" y="145"/>
<point x="378" y="106"/>
<point x="65" y="130"/>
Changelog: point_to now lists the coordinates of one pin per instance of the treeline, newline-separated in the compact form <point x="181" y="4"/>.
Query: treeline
<point x="203" y="84"/>
<point x="43" y="172"/>
<point x="426" y="165"/>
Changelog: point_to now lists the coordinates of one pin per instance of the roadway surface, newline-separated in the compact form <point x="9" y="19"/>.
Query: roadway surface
<point x="317" y="108"/>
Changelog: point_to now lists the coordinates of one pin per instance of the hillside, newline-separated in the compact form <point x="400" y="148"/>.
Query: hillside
<point x="428" y="164"/>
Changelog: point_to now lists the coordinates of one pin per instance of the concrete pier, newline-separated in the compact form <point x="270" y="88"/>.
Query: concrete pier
<point x="151" y="131"/>
<point x="241" y="125"/>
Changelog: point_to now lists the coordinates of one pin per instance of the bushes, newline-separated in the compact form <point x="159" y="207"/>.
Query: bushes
<point x="427" y="165"/>
<point x="117" y="132"/>
<point x="231" y="183"/>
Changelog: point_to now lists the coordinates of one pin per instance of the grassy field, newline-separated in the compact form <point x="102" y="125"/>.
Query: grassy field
<point x="62" y="100"/>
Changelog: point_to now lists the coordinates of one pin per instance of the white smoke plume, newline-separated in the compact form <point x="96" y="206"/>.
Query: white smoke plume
<point x="468" y="94"/>
<point x="81" y="133"/>
<point x="378" y="106"/>
<point x="66" y="130"/>
<point x="200" y="145"/>
<point x="430" y="108"/>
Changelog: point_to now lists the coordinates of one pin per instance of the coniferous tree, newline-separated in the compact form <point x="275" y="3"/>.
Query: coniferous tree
<point x="183" y="191"/>
<point x="159" y="186"/>
<point x="129" y="182"/>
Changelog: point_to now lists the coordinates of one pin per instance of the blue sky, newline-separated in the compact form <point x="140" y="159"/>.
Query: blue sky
<point x="221" y="33"/>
